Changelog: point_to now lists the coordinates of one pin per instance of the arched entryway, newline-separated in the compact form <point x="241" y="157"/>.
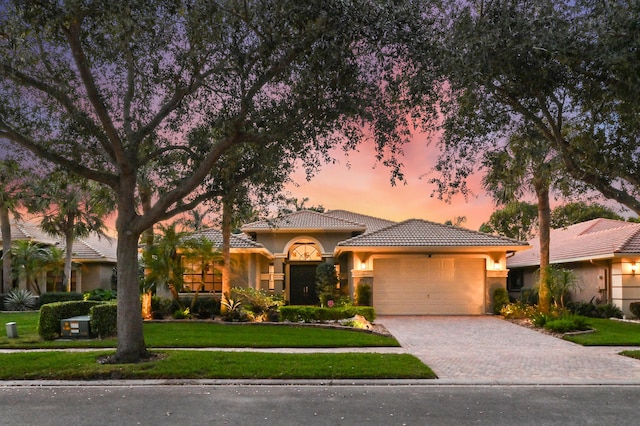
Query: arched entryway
<point x="303" y="258"/>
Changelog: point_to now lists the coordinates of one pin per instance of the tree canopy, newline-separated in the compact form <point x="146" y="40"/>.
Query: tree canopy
<point x="112" y="93"/>
<point x="580" y="211"/>
<point x="569" y="69"/>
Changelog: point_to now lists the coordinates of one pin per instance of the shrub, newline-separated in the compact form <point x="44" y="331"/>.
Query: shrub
<point x="182" y="313"/>
<point x="203" y="307"/>
<point x="500" y="299"/>
<point x="326" y="280"/>
<point x="517" y="310"/>
<point x="20" y="299"/>
<point x="52" y="313"/>
<point x="100" y="294"/>
<point x="634" y="307"/>
<point x="318" y="314"/>
<point x="363" y="295"/>
<point x="104" y="320"/>
<point x="63" y="296"/>
<point x="162" y="307"/>
<point x="529" y="296"/>
<point x="586" y="309"/>
<point x="608" y="310"/>
<point x="567" y="323"/>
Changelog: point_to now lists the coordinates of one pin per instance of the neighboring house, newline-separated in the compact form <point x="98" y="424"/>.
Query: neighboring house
<point x="603" y="253"/>
<point x="94" y="257"/>
<point x="414" y="267"/>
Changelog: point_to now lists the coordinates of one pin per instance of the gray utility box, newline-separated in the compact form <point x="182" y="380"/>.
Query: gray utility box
<point x="12" y="330"/>
<point x="75" y="326"/>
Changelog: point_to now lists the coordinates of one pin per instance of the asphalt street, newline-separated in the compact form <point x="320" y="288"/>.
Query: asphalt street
<point x="318" y="405"/>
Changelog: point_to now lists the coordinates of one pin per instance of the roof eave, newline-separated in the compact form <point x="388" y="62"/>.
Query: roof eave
<point x="429" y="249"/>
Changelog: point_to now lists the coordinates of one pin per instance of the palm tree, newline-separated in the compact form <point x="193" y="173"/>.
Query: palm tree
<point x="527" y="164"/>
<point x="72" y="209"/>
<point x="11" y="190"/>
<point x="29" y="260"/>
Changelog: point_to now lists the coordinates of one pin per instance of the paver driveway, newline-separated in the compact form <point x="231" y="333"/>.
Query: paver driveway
<point x="492" y="350"/>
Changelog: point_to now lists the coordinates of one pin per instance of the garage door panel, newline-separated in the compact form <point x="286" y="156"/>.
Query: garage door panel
<point x="423" y="286"/>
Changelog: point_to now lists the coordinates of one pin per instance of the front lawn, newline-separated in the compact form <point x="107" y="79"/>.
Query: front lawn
<point x="608" y="333"/>
<point x="214" y="365"/>
<point x="190" y="364"/>
<point x="191" y="334"/>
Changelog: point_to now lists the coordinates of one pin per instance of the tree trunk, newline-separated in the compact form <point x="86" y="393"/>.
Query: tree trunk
<point x="227" y="211"/>
<point x="5" y="229"/>
<point x="544" y="217"/>
<point x="68" y="257"/>
<point x="131" y="346"/>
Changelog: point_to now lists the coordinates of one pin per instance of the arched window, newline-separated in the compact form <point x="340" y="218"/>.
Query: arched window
<point x="304" y="251"/>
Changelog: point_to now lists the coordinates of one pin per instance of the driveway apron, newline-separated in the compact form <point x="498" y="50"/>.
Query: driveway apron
<point x="492" y="350"/>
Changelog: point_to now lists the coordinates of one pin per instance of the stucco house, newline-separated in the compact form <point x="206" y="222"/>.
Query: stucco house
<point x="415" y="267"/>
<point x="94" y="257"/>
<point x="603" y="253"/>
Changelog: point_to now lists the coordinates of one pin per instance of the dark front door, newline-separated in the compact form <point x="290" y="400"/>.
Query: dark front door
<point x="302" y="279"/>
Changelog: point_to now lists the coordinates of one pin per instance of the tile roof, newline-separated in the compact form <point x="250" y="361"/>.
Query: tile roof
<point x="371" y="223"/>
<point x="305" y="220"/>
<point x="597" y="238"/>
<point x="93" y="248"/>
<point x="422" y="233"/>
<point x="238" y="241"/>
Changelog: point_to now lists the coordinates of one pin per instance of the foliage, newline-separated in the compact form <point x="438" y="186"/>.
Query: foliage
<point x="363" y="295"/>
<point x="52" y="313"/>
<point x="176" y="92"/>
<point x="517" y="310"/>
<point x="561" y="281"/>
<point x="232" y="309"/>
<point x="13" y="189"/>
<point x="517" y="220"/>
<point x="567" y="323"/>
<point x="529" y="296"/>
<point x="634" y="307"/>
<point x="608" y="310"/>
<point x="104" y="320"/>
<point x="264" y="306"/>
<point x="52" y="297"/>
<point x="100" y="295"/>
<point x="29" y="260"/>
<point x="20" y="299"/>
<point x="294" y="313"/>
<point x="500" y="299"/>
<point x="70" y="208"/>
<point x="326" y="282"/>
<point x="577" y="212"/>
<point x="589" y="309"/>
<point x="182" y="313"/>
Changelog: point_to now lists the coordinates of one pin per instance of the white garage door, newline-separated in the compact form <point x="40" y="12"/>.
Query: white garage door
<point x="428" y="286"/>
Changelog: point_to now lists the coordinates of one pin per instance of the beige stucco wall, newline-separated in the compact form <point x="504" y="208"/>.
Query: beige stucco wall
<point x="93" y="276"/>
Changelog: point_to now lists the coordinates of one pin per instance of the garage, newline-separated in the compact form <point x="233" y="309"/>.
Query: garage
<point x="423" y="285"/>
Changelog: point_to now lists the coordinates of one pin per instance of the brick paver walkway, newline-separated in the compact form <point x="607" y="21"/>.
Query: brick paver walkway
<point x="489" y="349"/>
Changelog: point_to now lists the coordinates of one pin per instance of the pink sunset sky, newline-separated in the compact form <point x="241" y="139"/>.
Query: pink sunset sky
<point x="357" y="183"/>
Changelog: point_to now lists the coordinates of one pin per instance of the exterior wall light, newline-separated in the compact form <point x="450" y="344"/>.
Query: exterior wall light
<point x="634" y="265"/>
<point x="496" y="266"/>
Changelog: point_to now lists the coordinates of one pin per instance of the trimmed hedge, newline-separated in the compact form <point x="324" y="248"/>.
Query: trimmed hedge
<point x="52" y="313"/>
<point x="104" y="320"/>
<point x="634" y="307"/>
<point x="500" y="299"/>
<point x="53" y="297"/>
<point x="296" y="313"/>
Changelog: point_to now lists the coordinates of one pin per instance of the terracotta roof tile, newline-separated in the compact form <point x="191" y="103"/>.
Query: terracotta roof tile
<point x="305" y="220"/>
<point x="371" y="223"/>
<point x="596" y="238"/>
<point x="238" y="241"/>
<point x="92" y="248"/>
<point x="422" y="233"/>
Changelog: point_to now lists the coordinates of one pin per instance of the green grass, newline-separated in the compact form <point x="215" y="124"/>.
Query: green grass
<point x="189" y="334"/>
<point x="608" y="333"/>
<point x="214" y="365"/>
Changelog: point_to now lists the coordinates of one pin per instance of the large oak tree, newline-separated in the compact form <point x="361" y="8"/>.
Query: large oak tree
<point x="110" y="91"/>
